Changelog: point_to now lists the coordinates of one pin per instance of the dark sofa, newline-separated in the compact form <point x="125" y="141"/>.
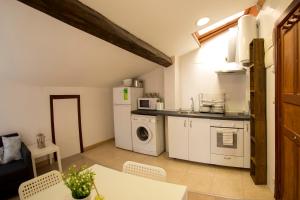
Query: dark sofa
<point x="14" y="173"/>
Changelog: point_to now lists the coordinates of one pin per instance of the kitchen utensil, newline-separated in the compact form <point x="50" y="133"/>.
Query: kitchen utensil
<point x="159" y="106"/>
<point x="127" y="82"/>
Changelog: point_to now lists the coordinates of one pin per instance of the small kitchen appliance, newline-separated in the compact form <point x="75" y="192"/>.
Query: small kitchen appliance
<point x="147" y="103"/>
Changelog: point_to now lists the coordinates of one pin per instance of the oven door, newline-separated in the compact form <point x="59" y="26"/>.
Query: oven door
<point x="227" y="141"/>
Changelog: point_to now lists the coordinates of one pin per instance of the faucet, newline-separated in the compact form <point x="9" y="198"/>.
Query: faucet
<point x="192" y="104"/>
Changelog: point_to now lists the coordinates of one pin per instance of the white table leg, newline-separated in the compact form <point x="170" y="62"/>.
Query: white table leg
<point x="51" y="158"/>
<point x="59" y="161"/>
<point x="33" y="166"/>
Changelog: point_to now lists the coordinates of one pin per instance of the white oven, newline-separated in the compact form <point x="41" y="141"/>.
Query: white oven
<point x="227" y="143"/>
<point x="147" y="103"/>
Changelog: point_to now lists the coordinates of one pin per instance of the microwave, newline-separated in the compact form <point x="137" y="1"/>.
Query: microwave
<point x="147" y="103"/>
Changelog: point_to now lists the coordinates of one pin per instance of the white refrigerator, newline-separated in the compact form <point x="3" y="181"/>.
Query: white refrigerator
<point x="124" y="101"/>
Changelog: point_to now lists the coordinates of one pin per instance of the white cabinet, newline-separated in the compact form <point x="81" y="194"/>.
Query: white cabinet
<point x="189" y="138"/>
<point x="199" y="140"/>
<point x="178" y="137"/>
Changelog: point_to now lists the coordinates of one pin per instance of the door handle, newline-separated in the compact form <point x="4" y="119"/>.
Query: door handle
<point x="191" y="123"/>
<point x="184" y="123"/>
<point x="295" y="138"/>
<point x="227" y="158"/>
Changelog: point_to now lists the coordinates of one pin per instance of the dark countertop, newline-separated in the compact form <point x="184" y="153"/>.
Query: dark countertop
<point x="226" y="116"/>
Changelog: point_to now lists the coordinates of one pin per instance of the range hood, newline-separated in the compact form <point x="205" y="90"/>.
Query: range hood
<point x="231" y="67"/>
<point x="238" y="45"/>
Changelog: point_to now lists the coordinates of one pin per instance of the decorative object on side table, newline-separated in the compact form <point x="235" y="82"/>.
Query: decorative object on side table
<point x="40" y="140"/>
<point x="81" y="182"/>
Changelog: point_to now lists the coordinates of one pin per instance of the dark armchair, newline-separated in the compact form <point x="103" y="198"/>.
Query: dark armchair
<point x="14" y="173"/>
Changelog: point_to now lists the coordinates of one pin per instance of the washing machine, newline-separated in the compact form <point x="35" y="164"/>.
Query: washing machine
<point x="147" y="134"/>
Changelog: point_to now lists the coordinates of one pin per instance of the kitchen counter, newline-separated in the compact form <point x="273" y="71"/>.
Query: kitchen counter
<point x="226" y="116"/>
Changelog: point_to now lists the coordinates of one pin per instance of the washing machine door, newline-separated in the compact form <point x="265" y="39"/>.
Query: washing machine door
<point x="143" y="134"/>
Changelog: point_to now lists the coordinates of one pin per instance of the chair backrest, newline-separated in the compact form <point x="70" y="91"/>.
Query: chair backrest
<point x="144" y="170"/>
<point x="38" y="184"/>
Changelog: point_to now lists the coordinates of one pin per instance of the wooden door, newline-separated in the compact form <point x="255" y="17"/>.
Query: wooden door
<point x="288" y="105"/>
<point x="178" y="134"/>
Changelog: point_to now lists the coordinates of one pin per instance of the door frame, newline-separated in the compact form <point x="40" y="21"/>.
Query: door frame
<point x="277" y="42"/>
<point x="77" y="97"/>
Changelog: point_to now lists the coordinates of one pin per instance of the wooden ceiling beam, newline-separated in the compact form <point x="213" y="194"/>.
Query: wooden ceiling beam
<point x="78" y="15"/>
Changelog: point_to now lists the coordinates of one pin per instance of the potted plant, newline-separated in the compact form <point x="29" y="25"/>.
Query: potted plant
<point x="80" y="182"/>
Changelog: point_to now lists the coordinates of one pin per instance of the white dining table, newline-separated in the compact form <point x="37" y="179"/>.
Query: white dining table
<point x="116" y="185"/>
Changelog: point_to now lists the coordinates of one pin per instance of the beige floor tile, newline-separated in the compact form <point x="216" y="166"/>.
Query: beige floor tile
<point x="175" y="176"/>
<point x="175" y="164"/>
<point x="204" y="182"/>
<point x="255" y="192"/>
<point x="227" y="182"/>
<point x="199" y="168"/>
<point x="197" y="196"/>
<point x="198" y="183"/>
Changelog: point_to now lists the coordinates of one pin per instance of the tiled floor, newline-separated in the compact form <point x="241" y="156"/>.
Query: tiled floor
<point x="205" y="182"/>
<point x="200" y="178"/>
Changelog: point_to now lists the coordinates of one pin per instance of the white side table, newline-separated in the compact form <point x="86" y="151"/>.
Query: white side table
<point x="47" y="151"/>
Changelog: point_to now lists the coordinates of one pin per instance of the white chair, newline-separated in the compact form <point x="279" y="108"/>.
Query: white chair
<point x="38" y="184"/>
<point x="147" y="171"/>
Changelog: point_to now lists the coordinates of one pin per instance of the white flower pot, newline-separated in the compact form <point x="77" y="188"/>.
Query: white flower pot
<point x="86" y="198"/>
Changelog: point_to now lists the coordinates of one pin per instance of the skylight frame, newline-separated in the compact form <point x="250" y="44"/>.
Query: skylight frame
<point x="254" y="10"/>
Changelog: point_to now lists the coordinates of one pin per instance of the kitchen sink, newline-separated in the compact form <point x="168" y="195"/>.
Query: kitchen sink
<point x="186" y="112"/>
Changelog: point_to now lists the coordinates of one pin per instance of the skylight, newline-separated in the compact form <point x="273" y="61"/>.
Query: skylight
<point x="221" y="23"/>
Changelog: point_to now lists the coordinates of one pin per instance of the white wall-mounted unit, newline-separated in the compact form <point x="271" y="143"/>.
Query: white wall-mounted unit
<point x="247" y="31"/>
<point x="232" y="40"/>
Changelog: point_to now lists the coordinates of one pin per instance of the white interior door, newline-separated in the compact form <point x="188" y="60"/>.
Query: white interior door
<point x="66" y="126"/>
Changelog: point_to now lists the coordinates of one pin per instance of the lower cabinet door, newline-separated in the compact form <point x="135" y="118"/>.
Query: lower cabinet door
<point x="178" y="137"/>
<point x="231" y="161"/>
<point x="199" y="140"/>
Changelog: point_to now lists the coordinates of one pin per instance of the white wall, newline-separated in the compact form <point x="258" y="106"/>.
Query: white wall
<point x="271" y="11"/>
<point x="197" y="75"/>
<point x="171" y="85"/>
<point x="194" y="73"/>
<point x="26" y="109"/>
<point x="154" y="81"/>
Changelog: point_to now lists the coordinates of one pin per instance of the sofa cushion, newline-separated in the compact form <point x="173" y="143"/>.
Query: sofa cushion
<point x="8" y="135"/>
<point x="12" y="149"/>
<point x="1" y="154"/>
<point x="10" y="170"/>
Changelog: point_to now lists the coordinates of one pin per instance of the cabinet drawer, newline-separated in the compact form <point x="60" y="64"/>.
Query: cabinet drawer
<point x="232" y="161"/>
<point x="227" y="123"/>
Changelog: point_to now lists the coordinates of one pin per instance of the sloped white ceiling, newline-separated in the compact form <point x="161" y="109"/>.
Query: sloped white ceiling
<point x="38" y="49"/>
<point x="167" y="24"/>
